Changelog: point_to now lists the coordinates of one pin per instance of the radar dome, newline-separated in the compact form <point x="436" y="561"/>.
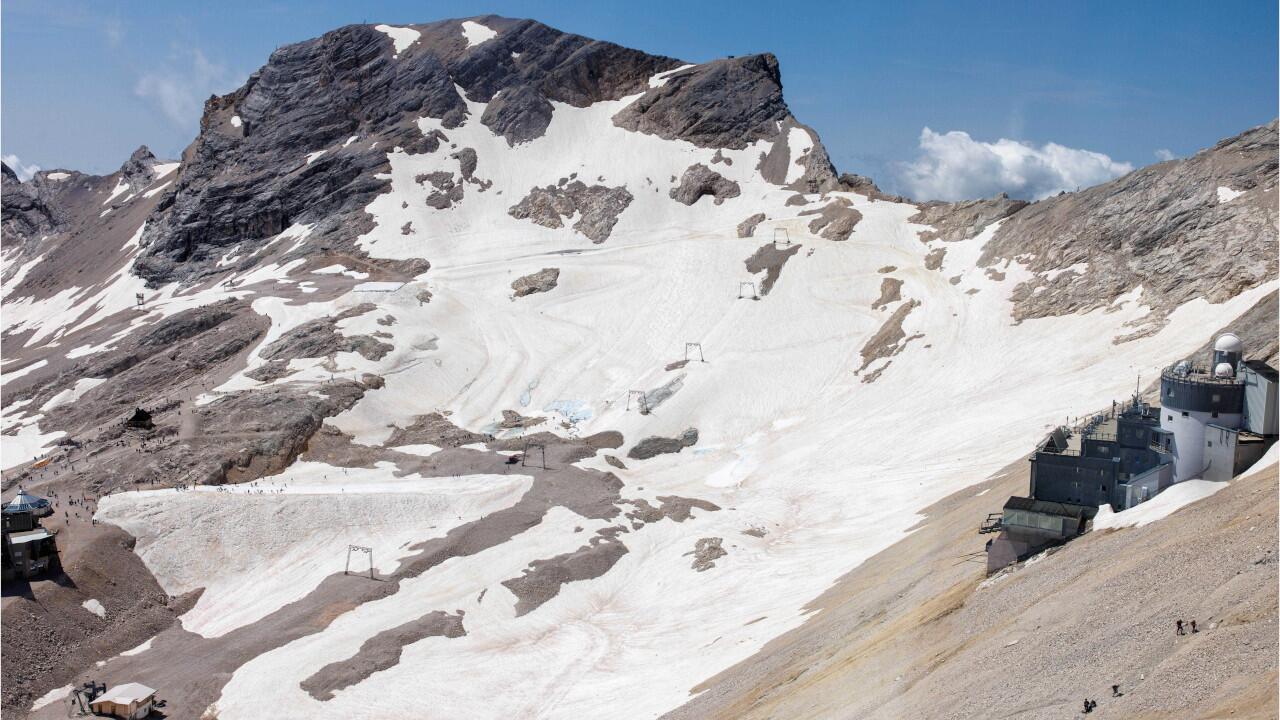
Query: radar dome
<point x="1228" y="343"/>
<point x="1224" y="370"/>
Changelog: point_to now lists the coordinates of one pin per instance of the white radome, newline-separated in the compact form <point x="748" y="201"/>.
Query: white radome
<point x="1224" y="370"/>
<point x="1228" y="343"/>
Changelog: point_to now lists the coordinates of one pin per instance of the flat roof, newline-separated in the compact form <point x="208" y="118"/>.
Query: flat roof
<point x="29" y="536"/>
<point x="125" y="694"/>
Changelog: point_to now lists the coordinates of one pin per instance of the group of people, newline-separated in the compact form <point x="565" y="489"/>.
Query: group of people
<point x="1182" y="628"/>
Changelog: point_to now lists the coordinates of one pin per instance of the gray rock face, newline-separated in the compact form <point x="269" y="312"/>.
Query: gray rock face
<point x="598" y="206"/>
<point x="728" y="103"/>
<point x="888" y="341"/>
<point x="246" y="184"/>
<point x="541" y="281"/>
<point x="863" y="185"/>
<point x="542" y="580"/>
<point x="320" y="338"/>
<point x="747" y="228"/>
<point x="890" y="292"/>
<point x="1162" y="227"/>
<point x="699" y="180"/>
<point x="769" y="260"/>
<point x="963" y="220"/>
<point x="381" y="652"/>
<point x="835" y="221"/>
<point x="655" y="445"/>
<point x="518" y="114"/>
<point x="705" y="553"/>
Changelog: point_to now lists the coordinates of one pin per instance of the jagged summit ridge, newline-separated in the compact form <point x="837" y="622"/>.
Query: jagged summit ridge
<point x="347" y="98"/>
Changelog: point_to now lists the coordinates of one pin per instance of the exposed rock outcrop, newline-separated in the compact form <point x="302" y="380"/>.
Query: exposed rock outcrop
<point x="699" y="180"/>
<point x="598" y="207"/>
<point x="835" y="221"/>
<point x="1165" y="228"/>
<point x="654" y="445"/>
<point x="963" y="220"/>
<point x="705" y="553"/>
<point x="519" y="114"/>
<point x="769" y="260"/>
<point x="747" y="228"/>
<point x="542" y="281"/>
<point x="727" y="103"/>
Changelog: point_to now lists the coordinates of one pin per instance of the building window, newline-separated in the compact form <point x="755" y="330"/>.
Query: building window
<point x="1217" y="397"/>
<point x="1215" y="413"/>
<point x="1210" y="443"/>
<point x="1185" y="413"/>
<point x="1170" y="417"/>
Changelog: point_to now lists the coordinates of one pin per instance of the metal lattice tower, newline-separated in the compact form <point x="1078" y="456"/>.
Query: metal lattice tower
<point x="750" y="287"/>
<point x="693" y="346"/>
<point x="642" y="401"/>
<point x="781" y="236"/>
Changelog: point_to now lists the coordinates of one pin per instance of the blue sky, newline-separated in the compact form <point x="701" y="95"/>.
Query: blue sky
<point x="84" y="83"/>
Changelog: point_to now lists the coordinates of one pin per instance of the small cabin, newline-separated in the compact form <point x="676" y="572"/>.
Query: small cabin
<point x="140" y="419"/>
<point x="130" y="701"/>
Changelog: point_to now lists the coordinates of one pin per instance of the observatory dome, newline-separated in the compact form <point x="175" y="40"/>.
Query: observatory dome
<point x="1228" y="342"/>
<point x="1224" y="370"/>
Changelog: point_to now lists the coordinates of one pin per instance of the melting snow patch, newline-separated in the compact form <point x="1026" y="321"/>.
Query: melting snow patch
<point x="121" y="186"/>
<point x="1077" y="268"/>
<point x="384" y="287"/>
<point x="72" y="394"/>
<point x="95" y="607"/>
<point x="7" y="376"/>
<point x="421" y="449"/>
<point x="150" y="193"/>
<point x="64" y="176"/>
<point x="661" y="78"/>
<point x="1226" y="194"/>
<point x="51" y="697"/>
<point x="401" y="37"/>
<point x="235" y="121"/>
<point x="1161" y="506"/>
<point x="350" y="140"/>
<point x="162" y="169"/>
<point x="311" y="157"/>
<point x="139" y="650"/>
<point x="475" y="33"/>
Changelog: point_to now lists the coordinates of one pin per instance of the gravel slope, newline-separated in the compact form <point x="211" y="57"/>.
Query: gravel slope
<point x="912" y="633"/>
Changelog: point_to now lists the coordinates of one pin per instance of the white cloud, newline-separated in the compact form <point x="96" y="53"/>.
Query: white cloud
<point x="954" y="166"/>
<point x="24" y="172"/>
<point x="1165" y="154"/>
<point x="179" y="88"/>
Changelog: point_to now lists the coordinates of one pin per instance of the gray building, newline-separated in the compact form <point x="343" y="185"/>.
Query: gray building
<point x="1213" y="423"/>
<point x="1120" y="459"/>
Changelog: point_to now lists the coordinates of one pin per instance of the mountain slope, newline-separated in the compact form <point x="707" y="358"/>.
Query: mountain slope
<point x="340" y="347"/>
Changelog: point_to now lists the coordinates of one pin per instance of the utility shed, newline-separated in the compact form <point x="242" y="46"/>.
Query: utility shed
<point x="1029" y="526"/>
<point x="130" y="701"/>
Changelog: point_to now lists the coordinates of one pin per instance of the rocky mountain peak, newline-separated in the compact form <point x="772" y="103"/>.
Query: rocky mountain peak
<point x="307" y="136"/>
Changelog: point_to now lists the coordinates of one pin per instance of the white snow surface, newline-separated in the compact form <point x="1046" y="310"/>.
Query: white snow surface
<point x="475" y="33"/>
<point x="790" y="439"/>
<point x="140" y="649"/>
<point x="1226" y="194"/>
<point x="51" y="697"/>
<point x="236" y="121"/>
<point x="1159" y="507"/>
<point x="95" y="607"/>
<point x="162" y="169"/>
<point x="401" y="37"/>
<point x="57" y="176"/>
